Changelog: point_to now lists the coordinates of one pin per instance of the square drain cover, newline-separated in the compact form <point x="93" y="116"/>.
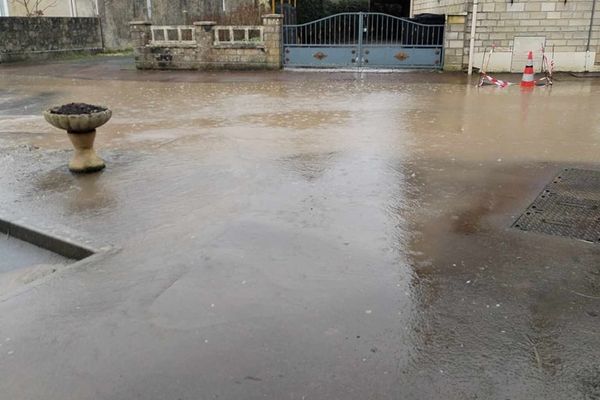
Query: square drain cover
<point x="568" y="206"/>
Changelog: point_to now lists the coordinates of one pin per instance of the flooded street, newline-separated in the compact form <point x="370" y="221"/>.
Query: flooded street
<point x="296" y="235"/>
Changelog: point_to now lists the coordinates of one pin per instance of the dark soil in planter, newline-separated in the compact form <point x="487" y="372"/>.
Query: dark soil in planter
<point x="77" y="108"/>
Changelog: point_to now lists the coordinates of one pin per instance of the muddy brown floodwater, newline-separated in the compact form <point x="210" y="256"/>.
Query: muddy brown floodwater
<point x="300" y="236"/>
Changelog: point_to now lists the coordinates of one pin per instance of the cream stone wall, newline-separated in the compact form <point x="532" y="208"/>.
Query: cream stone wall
<point x="562" y="26"/>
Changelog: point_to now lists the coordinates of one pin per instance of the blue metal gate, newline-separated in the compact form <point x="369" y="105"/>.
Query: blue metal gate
<point x="363" y="40"/>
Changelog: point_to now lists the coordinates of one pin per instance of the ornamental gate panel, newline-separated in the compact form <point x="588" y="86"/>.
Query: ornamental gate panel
<point x="363" y="40"/>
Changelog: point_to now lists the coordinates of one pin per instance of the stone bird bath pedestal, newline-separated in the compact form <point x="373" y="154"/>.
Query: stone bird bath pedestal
<point x="80" y="121"/>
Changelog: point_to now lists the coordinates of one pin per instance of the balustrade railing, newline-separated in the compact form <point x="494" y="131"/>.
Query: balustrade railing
<point x="236" y="35"/>
<point x="171" y="34"/>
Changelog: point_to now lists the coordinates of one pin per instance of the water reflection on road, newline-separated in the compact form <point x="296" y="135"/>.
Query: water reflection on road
<point x="308" y="237"/>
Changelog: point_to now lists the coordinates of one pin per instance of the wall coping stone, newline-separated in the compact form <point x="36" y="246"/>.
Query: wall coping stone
<point x="239" y="46"/>
<point x="172" y="45"/>
<point x="204" y="23"/>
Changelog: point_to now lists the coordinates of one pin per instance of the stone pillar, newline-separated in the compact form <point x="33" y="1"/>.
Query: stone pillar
<point x="272" y="25"/>
<point x="205" y="37"/>
<point x="141" y="36"/>
<point x="454" y="41"/>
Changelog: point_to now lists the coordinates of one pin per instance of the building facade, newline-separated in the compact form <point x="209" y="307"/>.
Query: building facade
<point x="567" y="29"/>
<point x="115" y="15"/>
<point x="163" y="11"/>
<point x="49" y="8"/>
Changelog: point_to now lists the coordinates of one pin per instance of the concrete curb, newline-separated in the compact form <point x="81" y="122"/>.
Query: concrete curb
<point x="360" y="70"/>
<point x="54" y="243"/>
<point x="27" y="287"/>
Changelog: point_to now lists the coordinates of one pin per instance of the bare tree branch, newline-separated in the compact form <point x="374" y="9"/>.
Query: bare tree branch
<point x="35" y="8"/>
<point x="49" y="5"/>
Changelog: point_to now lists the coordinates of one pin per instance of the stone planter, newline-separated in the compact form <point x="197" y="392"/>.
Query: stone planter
<point x="82" y="132"/>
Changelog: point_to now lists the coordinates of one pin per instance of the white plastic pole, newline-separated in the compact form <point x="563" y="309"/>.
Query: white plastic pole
<point x="472" y="41"/>
<point x="73" y="7"/>
<point x="5" y="12"/>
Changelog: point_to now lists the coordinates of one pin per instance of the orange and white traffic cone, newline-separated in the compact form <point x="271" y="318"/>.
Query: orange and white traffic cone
<point x="528" y="79"/>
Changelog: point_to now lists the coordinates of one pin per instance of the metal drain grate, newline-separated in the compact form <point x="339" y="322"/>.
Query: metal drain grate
<point x="568" y="206"/>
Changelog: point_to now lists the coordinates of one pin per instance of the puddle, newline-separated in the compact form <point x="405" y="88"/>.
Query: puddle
<point x="269" y="217"/>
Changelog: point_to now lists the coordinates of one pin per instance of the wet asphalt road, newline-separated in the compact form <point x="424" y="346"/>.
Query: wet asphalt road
<point x="300" y="236"/>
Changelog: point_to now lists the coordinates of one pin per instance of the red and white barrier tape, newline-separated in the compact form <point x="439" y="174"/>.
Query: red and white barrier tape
<point x="493" y="81"/>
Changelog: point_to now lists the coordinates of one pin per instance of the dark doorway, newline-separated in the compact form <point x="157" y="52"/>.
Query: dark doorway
<point x="397" y="8"/>
<point x="311" y="10"/>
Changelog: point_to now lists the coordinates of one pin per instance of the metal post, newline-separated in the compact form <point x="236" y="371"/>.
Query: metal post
<point x="591" y="25"/>
<point x="101" y="31"/>
<point x="360" y="39"/>
<point x="472" y="41"/>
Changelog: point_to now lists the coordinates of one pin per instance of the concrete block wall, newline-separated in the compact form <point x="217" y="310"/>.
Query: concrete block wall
<point x="562" y="26"/>
<point x="439" y="6"/>
<point x="34" y="38"/>
<point x="204" y="53"/>
<point x="454" y="42"/>
<point x="273" y="25"/>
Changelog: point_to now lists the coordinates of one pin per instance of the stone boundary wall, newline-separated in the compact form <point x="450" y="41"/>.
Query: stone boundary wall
<point x="439" y="6"/>
<point x="564" y="26"/>
<point x="34" y="38"/>
<point x="454" y="42"/>
<point x="204" y="52"/>
<point x="517" y="27"/>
